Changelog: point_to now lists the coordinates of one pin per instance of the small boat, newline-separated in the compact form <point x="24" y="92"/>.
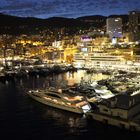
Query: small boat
<point x="61" y="99"/>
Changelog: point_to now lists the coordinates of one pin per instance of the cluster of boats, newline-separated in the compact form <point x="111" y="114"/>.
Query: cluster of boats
<point x="32" y="70"/>
<point x="92" y="92"/>
<point x="78" y="98"/>
<point x="88" y="97"/>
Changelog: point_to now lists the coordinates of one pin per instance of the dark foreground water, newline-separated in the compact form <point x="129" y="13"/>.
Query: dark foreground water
<point x="23" y="118"/>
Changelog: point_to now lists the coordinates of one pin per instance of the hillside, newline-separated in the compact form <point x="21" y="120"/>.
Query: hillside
<point x="19" y="25"/>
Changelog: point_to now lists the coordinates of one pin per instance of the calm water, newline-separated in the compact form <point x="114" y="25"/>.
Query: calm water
<point x="23" y="118"/>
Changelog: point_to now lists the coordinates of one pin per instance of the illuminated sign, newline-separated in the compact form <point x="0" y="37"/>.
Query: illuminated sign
<point x="86" y="38"/>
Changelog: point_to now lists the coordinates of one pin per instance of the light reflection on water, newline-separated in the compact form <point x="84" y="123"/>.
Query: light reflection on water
<point x="61" y="80"/>
<point x="71" y="122"/>
<point x="74" y="123"/>
<point x="73" y="78"/>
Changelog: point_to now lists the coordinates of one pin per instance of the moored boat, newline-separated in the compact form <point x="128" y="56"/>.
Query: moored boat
<point x="60" y="99"/>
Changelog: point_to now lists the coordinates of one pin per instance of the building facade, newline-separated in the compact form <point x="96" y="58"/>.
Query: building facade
<point x="114" y="27"/>
<point x="134" y="27"/>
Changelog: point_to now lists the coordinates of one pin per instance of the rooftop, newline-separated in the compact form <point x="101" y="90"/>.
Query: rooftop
<point x="122" y="101"/>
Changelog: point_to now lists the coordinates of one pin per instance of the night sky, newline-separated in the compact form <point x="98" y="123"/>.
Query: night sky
<point x="67" y="8"/>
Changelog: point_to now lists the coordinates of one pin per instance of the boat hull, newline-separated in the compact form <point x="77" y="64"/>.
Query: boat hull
<point x="52" y="104"/>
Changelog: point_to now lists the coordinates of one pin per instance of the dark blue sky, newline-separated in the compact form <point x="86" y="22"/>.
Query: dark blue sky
<point x="67" y="8"/>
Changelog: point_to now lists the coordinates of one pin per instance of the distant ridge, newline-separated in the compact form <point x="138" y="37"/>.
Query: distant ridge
<point x="92" y="17"/>
<point x="19" y="25"/>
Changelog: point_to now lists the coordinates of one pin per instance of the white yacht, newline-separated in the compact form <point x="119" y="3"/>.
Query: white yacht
<point x="60" y="99"/>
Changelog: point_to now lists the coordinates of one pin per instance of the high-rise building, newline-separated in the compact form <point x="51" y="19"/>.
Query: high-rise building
<point x="134" y="28"/>
<point x="114" y="27"/>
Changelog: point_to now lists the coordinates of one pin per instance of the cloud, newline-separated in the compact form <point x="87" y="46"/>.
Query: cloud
<point x="67" y="8"/>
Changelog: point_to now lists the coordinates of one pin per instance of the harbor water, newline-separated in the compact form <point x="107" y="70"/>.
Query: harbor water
<point x="23" y="118"/>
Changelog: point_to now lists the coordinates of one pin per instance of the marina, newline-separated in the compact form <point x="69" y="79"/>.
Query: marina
<point x="31" y="116"/>
<point x="69" y="70"/>
<point x="95" y="88"/>
<point x="123" y="98"/>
